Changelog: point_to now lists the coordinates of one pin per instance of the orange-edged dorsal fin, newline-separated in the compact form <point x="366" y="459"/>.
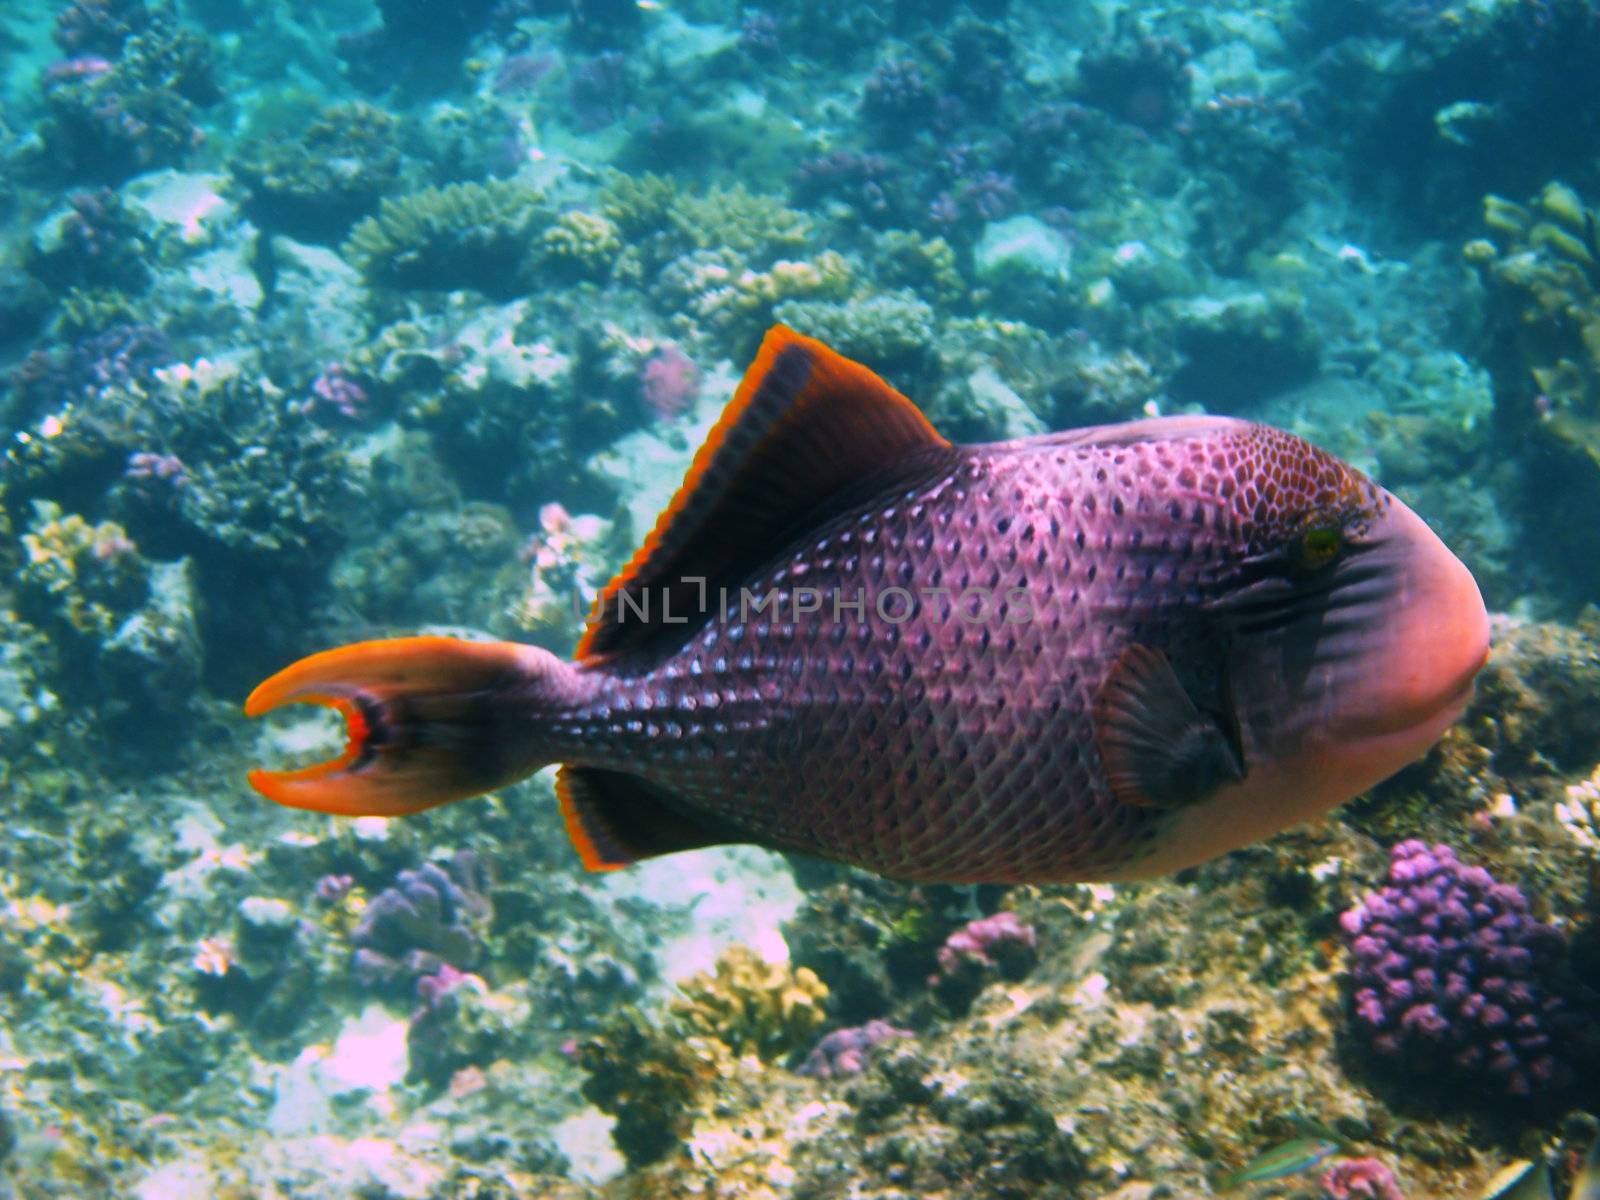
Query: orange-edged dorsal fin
<point x="615" y="819"/>
<point x="806" y="425"/>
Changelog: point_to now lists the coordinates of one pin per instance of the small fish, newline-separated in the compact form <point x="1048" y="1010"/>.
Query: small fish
<point x="1521" y="1180"/>
<point x="1525" y="1180"/>
<point x="1586" y="1183"/>
<point x="1102" y="654"/>
<point x="1289" y="1158"/>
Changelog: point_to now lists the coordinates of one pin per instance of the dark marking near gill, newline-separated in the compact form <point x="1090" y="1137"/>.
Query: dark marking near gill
<point x="1269" y="593"/>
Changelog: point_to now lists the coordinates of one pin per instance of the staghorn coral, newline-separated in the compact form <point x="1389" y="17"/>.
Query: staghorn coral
<point x="638" y="204"/>
<point x="463" y="235"/>
<point x="925" y="265"/>
<point x="755" y="227"/>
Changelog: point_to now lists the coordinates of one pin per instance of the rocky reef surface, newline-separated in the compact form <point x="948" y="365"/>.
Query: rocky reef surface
<point x="323" y="322"/>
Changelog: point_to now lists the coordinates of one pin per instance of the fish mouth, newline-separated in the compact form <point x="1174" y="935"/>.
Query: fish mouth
<point x="1382" y="647"/>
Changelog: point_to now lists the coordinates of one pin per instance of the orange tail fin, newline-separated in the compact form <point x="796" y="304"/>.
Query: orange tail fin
<point x="429" y="720"/>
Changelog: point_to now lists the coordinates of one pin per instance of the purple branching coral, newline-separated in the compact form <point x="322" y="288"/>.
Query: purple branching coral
<point x="999" y="940"/>
<point x="999" y="944"/>
<point x="116" y="357"/>
<point x="1360" y="1179"/>
<point x="335" y="389"/>
<point x="99" y="26"/>
<point x="429" y="919"/>
<point x="896" y="96"/>
<point x="1454" y="980"/>
<point x="846" y="1051"/>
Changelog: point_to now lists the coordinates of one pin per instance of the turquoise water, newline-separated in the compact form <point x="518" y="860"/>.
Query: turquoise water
<point x="329" y="322"/>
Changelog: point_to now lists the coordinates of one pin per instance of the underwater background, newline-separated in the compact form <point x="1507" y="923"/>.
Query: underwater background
<point x="327" y="320"/>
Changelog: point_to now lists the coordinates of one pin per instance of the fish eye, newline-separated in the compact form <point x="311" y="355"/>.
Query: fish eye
<point x="1319" y="546"/>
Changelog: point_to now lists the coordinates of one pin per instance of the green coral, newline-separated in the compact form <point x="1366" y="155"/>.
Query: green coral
<point x="925" y="265"/>
<point x="91" y="576"/>
<point x="476" y="236"/>
<point x="656" y="1080"/>
<point x="892" y="332"/>
<point x="638" y="204"/>
<point x="1543" y="272"/>
<point x="316" y="184"/>
<point x="750" y="1005"/>
<point x="756" y="227"/>
<point x="582" y="244"/>
<point x="717" y="299"/>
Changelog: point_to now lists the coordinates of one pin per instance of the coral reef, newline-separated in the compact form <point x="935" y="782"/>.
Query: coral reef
<point x="1454" y="978"/>
<point x="751" y="1006"/>
<point x="1360" y="1179"/>
<point x="464" y="235"/>
<point x="427" y="922"/>
<point x="316" y="186"/>
<point x="981" y="951"/>
<point x="847" y="1051"/>
<point x="283" y="368"/>
<point x="130" y="104"/>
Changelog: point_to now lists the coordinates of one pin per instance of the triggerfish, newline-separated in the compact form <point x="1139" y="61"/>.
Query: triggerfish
<point x="1102" y="654"/>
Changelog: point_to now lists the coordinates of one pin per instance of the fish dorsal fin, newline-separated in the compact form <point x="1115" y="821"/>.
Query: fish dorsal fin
<point x="615" y="819"/>
<point x="805" y="425"/>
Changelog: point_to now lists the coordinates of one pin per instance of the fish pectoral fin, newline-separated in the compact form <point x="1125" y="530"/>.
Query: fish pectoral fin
<point x="1159" y="749"/>
<point x="614" y="819"/>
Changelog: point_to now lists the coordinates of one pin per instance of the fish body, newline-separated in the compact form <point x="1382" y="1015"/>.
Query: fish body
<point x="1101" y="654"/>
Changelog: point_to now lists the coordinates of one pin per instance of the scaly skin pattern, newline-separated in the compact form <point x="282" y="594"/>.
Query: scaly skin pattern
<point x="926" y="743"/>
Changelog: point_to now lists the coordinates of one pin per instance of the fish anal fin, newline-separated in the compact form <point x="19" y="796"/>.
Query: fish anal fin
<point x="1159" y="749"/>
<point x="615" y="819"/>
<point x="805" y="425"/>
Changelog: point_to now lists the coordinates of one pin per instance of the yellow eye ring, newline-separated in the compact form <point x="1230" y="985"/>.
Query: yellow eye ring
<point x="1320" y="544"/>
